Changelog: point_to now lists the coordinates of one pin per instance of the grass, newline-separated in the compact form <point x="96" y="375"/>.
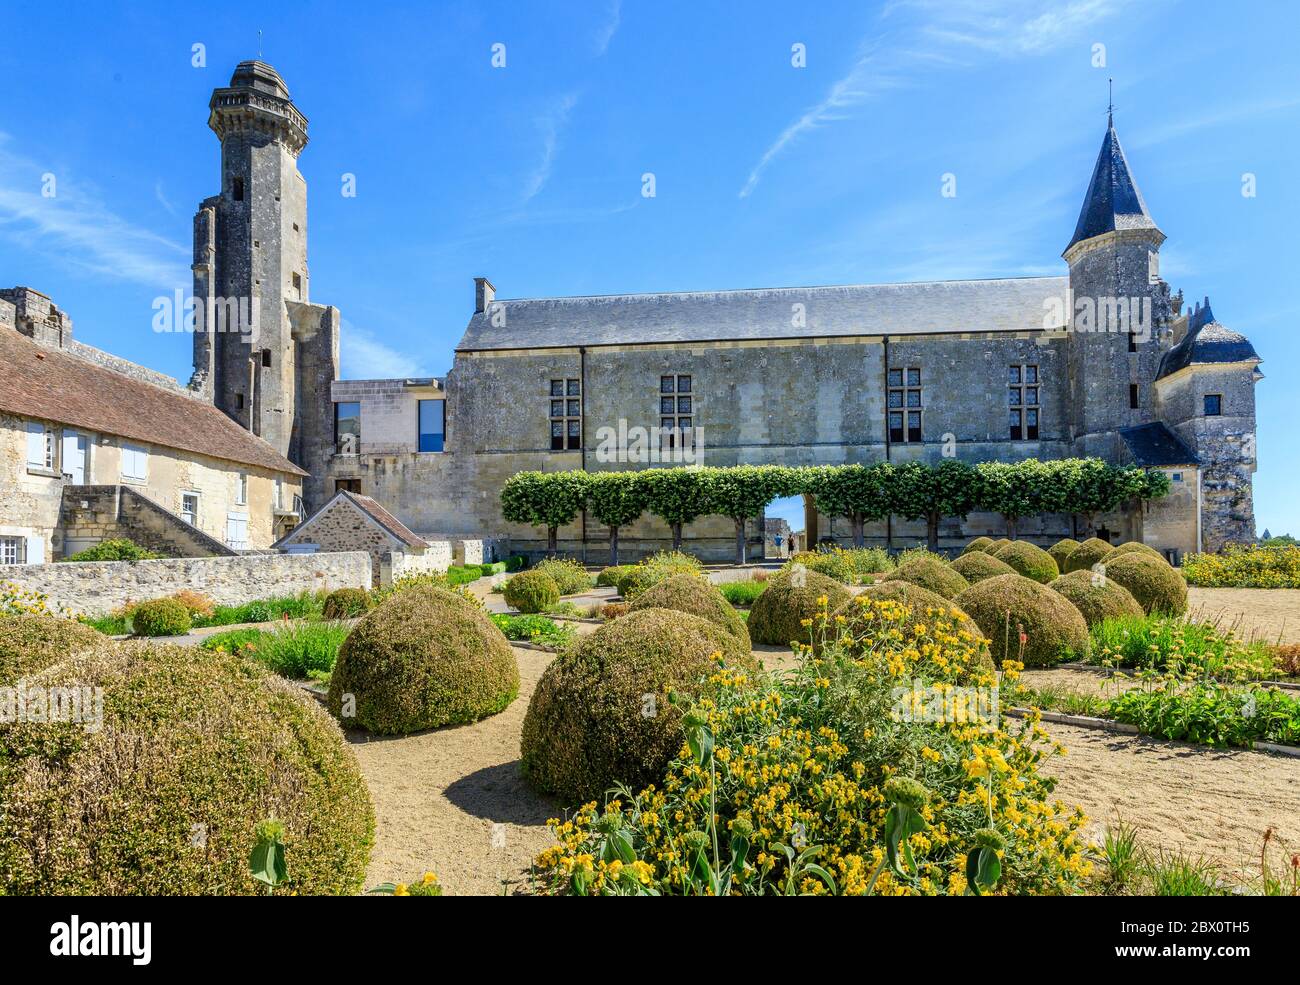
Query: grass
<point x="742" y="593"/>
<point x="1164" y="643"/>
<point x="305" y="605"/>
<point x="297" y="650"/>
<point x="1128" y="868"/>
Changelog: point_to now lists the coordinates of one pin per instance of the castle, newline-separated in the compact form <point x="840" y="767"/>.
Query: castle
<point x="1103" y="360"/>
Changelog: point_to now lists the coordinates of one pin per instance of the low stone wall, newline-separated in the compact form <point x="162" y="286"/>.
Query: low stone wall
<point x="397" y="564"/>
<point x="477" y="550"/>
<point x="97" y="587"/>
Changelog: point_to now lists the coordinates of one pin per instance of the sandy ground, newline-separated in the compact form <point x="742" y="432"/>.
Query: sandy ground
<point x="1268" y="614"/>
<point x="1180" y="797"/>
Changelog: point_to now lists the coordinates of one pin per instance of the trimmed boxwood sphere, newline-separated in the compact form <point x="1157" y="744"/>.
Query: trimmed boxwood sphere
<point x="1157" y="587"/>
<point x="1060" y="551"/>
<point x="160" y="617"/>
<point x="424" y="659"/>
<point x="920" y="599"/>
<point x="777" y="615"/>
<point x="531" y="591"/>
<point x="977" y="565"/>
<point x="1096" y="598"/>
<point x="1083" y="557"/>
<point x="1000" y="542"/>
<point x="1029" y="560"/>
<point x="29" y="644"/>
<point x="694" y="594"/>
<point x="932" y="573"/>
<point x="601" y="715"/>
<point x="569" y="575"/>
<point x="346" y="603"/>
<point x="611" y="576"/>
<point x="980" y="544"/>
<point x="191" y="741"/>
<point x="1133" y="547"/>
<point x="1054" y="628"/>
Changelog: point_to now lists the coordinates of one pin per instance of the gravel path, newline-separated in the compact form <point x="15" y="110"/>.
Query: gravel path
<point x="1268" y="614"/>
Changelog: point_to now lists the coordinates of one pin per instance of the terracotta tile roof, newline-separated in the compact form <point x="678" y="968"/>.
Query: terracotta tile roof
<point x="385" y="519"/>
<point x="45" y="383"/>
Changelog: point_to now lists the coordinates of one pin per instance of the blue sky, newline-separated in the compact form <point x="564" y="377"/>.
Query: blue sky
<point x="766" y="174"/>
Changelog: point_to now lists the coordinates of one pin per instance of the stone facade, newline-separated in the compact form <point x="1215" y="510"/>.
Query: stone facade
<point x="97" y="587"/>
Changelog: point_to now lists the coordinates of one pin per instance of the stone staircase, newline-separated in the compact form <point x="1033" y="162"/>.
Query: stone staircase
<point x="95" y="513"/>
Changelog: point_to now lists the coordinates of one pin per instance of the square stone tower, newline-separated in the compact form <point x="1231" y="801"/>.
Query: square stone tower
<point x="263" y="353"/>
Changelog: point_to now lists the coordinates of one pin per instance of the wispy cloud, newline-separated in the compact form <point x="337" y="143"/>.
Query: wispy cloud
<point x="930" y="33"/>
<point x="162" y="198"/>
<point x="550" y="123"/>
<point x="1238" y="112"/>
<point x="75" y="225"/>
<point x="364" y="357"/>
<point x="606" y="31"/>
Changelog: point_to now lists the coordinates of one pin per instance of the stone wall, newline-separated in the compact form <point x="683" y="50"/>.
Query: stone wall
<point x="94" y="513"/>
<point x="343" y="526"/>
<point x="97" y="587"/>
<point x="398" y="564"/>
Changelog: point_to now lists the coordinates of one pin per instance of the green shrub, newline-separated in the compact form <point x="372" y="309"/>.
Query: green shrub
<point x="424" y="659"/>
<point x="1132" y="547"/>
<point x="742" y="592"/>
<point x="916" y="598"/>
<point x="654" y="569"/>
<point x="978" y="565"/>
<point x="1095" y="597"/>
<point x="346" y="603"/>
<point x="297" y="650"/>
<point x="832" y="563"/>
<point x="1168" y="643"/>
<point x="192" y="742"/>
<point x="1083" y="557"/>
<point x="1005" y="606"/>
<point x="589" y="724"/>
<point x="1157" y="587"/>
<point x="531" y="591"/>
<point x="1061" y="551"/>
<point x="569" y="576"/>
<point x="930" y="573"/>
<point x="1211" y="713"/>
<point x="611" y="576"/>
<point x="1001" y="542"/>
<point x="534" y="629"/>
<point x="693" y="594"/>
<point x="516" y="562"/>
<point x="1029" y="560"/>
<point x="29" y="644"/>
<point x="119" y="549"/>
<point x="459" y="574"/>
<point x="304" y="605"/>
<point x="1245" y="567"/>
<point x="778" y="614"/>
<point x="160" y="617"/>
<point x="867" y="561"/>
<point x="495" y="568"/>
<point x="980" y="544"/>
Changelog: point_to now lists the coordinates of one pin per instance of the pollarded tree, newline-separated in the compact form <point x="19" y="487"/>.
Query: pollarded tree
<point x="743" y="492"/>
<point x="919" y="491"/>
<point x="676" y="495"/>
<point x="859" y="492"/>
<point x="1012" y="489"/>
<point x="615" y="499"/>
<point x="547" y="499"/>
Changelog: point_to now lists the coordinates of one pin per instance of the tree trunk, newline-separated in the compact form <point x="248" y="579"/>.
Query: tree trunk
<point x="932" y="531"/>
<point x="1089" y="526"/>
<point x="613" y="547"/>
<point x="1011" y="526"/>
<point x="677" y="536"/>
<point x="740" y="539"/>
<point x="550" y="540"/>
<point x="859" y="537"/>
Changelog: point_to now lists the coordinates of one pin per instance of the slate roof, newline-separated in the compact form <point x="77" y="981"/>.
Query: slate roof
<point x="1113" y="200"/>
<point x="1154" y="446"/>
<point x="1206" y="342"/>
<point x="48" y="384"/>
<point x="1008" y="305"/>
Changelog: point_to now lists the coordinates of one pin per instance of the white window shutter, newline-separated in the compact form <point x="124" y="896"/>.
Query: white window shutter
<point x="35" y="550"/>
<point x="36" y="444"/>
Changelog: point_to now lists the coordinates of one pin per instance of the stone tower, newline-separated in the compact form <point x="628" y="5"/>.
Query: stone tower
<point x="1120" y="307"/>
<point x="262" y="352"/>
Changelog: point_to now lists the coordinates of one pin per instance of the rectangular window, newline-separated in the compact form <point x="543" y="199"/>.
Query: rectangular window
<point x="135" y="463"/>
<point x="433" y="424"/>
<point x="1022" y="402"/>
<point x="676" y="410"/>
<point x="347" y="427"/>
<point x="1133" y="396"/>
<point x="190" y="508"/>
<point x="237" y="189"/>
<point x="1213" y="404"/>
<point x="297" y="284"/>
<point x="347" y="485"/>
<point x="40" y="445"/>
<point x="237" y="531"/>
<point x="241" y="488"/>
<point x="266" y="357"/>
<point x="13" y="550"/>
<point x="566" y="414"/>
<point x="904" y="391"/>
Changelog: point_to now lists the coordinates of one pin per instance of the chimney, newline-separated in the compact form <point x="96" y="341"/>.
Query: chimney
<point x="484" y="294"/>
